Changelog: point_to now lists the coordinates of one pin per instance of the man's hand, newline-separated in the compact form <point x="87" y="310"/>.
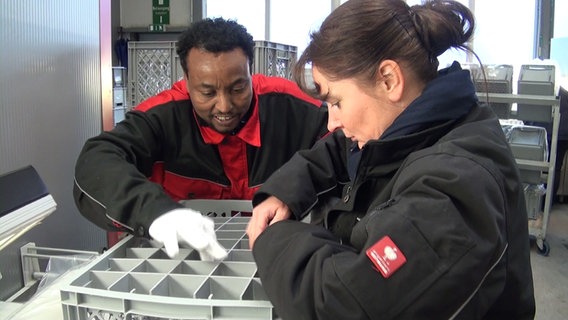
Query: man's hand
<point x="190" y="227"/>
<point x="266" y="213"/>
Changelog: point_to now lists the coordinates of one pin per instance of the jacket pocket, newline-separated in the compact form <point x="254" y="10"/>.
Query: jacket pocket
<point x="429" y="254"/>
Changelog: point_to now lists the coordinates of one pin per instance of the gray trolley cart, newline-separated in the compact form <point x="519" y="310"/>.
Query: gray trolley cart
<point x="539" y="108"/>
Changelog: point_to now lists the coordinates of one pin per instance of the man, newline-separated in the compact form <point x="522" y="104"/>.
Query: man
<point x="217" y="134"/>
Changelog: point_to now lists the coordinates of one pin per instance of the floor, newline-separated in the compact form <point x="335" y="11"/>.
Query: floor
<point x="550" y="273"/>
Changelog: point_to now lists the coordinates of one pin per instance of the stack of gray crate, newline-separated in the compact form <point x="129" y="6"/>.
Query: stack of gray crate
<point x="536" y="80"/>
<point x="529" y="143"/>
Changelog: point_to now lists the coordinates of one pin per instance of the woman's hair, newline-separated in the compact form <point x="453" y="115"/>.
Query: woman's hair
<point x="214" y="35"/>
<point x="359" y="34"/>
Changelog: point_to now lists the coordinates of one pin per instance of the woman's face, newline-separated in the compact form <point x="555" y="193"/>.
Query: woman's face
<point x="363" y="113"/>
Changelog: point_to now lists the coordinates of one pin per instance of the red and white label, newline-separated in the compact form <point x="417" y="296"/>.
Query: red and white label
<point x="386" y="256"/>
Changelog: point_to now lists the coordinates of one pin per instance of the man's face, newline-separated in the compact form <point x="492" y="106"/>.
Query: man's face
<point x="220" y="87"/>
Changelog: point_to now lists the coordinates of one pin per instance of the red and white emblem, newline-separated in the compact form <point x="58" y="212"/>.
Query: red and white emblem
<point x="386" y="256"/>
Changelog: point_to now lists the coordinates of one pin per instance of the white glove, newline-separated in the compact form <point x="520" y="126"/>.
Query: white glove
<point x="187" y="226"/>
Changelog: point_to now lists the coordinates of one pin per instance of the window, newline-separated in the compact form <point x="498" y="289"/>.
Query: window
<point x="292" y="26"/>
<point x="500" y="37"/>
<point x="249" y="13"/>
<point x="288" y="25"/>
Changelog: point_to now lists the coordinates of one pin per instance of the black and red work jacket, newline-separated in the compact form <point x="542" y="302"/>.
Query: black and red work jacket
<point x="162" y="153"/>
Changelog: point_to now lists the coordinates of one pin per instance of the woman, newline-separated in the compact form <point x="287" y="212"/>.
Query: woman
<point x="431" y="222"/>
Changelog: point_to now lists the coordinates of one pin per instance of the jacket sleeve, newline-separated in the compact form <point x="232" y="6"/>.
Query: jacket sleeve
<point x="308" y="174"/>
<point x="449" y="233"/>
<point x="111" y="186"/>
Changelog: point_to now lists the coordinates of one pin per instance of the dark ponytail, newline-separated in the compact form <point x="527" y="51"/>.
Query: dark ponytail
<point x="443" y="25"/>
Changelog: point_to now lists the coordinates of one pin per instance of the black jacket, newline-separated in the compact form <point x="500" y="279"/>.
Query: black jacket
<point x="160" y="154"/>
<point x="440" y="188"/>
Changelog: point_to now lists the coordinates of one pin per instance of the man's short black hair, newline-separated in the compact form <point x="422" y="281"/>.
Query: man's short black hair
<point x="214" y="35"/>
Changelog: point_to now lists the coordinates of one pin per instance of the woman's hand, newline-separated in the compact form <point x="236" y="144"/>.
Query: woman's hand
<point x="266" y="213"/>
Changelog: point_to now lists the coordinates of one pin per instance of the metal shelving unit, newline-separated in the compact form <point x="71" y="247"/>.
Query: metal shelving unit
<point x="537" y="227"/>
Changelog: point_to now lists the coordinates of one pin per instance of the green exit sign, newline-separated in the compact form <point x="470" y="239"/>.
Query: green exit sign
<point x="160" y="12"/>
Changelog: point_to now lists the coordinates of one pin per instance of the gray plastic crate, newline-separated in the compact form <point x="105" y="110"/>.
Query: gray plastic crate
<point x="529" y="143"/>
<point x="152" y="68"/>
<point x="498" y="79"/>
<point x="534" y="194"/>
<point x="136" y="280"/>
<point x="536" y="80"/>
<point x="274" y="59"/>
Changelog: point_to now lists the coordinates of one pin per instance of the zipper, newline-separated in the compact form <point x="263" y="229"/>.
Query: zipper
<point x="386" y="204"/>
<point x="380" y="207"/>
<point x="456" y="314"/>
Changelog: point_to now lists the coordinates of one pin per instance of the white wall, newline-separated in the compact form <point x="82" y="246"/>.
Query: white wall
<point x="50" y="102"/>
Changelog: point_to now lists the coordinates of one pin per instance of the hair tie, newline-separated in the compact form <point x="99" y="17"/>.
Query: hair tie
<point x="432" y="57"/>
<point x="395" y="16"/>
<point x="411" y="13"/>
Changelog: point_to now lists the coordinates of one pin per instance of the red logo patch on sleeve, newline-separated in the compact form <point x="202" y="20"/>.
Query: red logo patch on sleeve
<point x="386" y="256"/>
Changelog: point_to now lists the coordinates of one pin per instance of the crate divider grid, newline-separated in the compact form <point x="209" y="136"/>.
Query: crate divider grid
<point x="136" y="280"/>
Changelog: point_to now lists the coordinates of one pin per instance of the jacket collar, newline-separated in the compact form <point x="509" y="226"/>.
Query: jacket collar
<point x="445" y="101"/>
<point x="249" y="131"/>
<point x="448" y="97"/>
